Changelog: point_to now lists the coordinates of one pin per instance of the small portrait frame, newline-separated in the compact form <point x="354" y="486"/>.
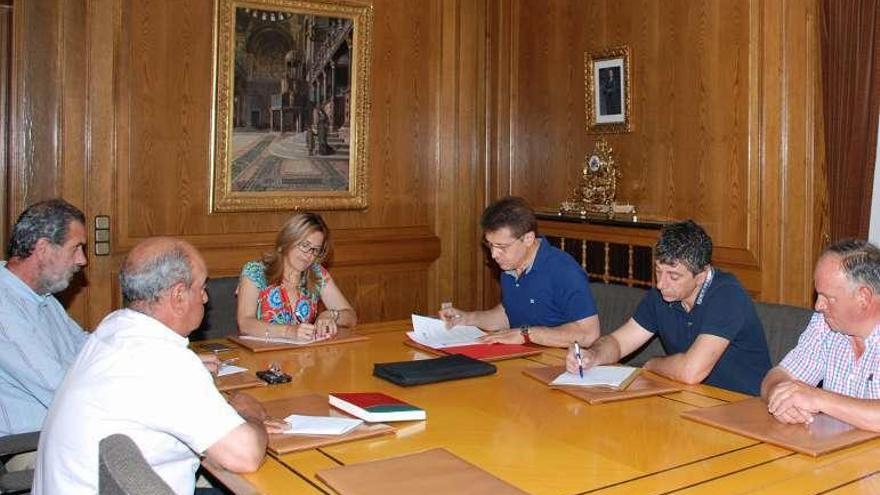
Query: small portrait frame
<point x="608" y="84"/>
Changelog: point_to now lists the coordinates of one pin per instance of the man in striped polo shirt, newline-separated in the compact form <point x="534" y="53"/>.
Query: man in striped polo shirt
<point x="840" y="348"/>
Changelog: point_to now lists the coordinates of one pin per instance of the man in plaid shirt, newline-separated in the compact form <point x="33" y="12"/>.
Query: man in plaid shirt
<point x="839" y="348"/>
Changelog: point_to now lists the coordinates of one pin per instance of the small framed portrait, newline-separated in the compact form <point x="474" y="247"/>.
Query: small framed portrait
<point x="608" y="91"/>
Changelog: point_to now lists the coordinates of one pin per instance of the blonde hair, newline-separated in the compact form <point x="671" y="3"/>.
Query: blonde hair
<point x="295" y="231"/>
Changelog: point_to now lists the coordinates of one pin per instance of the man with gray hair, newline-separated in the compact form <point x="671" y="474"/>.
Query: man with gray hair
<point x="704" y="318"/>
<point x="38" y="340"/>
<point x="840" y="348"/>
<point x="136" y="376"/>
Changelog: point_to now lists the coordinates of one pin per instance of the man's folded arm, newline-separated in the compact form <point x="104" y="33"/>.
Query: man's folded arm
<point x="694" y="365"/>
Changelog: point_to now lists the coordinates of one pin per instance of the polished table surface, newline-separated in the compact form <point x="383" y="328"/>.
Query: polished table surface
<point x="541" y="440"/>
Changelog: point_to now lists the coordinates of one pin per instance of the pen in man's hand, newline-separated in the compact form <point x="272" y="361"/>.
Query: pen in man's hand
<point x="227" y="362"/>
<point x="577" y="354"/>
<point x="448" y="305"/>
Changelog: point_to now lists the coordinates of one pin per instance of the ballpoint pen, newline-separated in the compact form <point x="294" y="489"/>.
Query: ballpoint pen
<point x="448" y="305"/>
<point x="577" y="354"/>
<point x="229" y="361"/>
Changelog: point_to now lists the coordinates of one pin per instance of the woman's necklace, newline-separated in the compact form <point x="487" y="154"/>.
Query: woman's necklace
<point x="291" y="282"/>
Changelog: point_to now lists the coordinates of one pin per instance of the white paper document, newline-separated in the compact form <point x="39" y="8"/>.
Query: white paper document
<point x="432" y="332"/>
<point x="282" y="340"/>
<point x="597" y="376"/>
<point x="320" y="425"/>
<point x="230" y="369"/>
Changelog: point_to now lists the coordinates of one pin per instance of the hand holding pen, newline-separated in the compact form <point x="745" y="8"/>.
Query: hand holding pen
<point x="211" y="361"/>
<point x="580" y="359"/>
<point x="451" y="316"/>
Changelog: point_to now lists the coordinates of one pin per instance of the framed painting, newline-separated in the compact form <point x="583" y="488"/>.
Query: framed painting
<point x="608" y="91"/>
<point x="291" y="120"/>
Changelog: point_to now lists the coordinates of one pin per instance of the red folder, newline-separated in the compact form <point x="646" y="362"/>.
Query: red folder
<point x="483" y="352"/>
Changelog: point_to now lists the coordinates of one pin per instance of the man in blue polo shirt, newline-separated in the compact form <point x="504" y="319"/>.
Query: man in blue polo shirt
<point x="545" y="293"/>
<point x="705" y="319"/>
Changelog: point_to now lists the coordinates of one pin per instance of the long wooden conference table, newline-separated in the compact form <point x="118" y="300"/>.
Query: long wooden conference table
<point x="543" y="441"/>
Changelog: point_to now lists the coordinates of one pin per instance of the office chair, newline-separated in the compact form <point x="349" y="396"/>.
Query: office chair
<point x="17" y="481"/>
<point x="122" y="469"/>
<point x="220" y="311"/>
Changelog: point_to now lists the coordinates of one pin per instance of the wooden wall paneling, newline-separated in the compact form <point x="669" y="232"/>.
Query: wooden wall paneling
<point x="36" y="103"/>
<point x="793" y="186"/>
<point x="103" y="123"/>
<point x="368" y="290"/>
<point x="461" y="153"/>
<point x="167" y="75"/>
<point x="502" y="40"/>
<point x="71" y="180"/>
<point x="6" y="23"/>
<point x="46" y="108"/>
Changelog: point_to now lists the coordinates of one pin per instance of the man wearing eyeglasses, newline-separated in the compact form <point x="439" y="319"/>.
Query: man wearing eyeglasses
<point x="545" y="293"/>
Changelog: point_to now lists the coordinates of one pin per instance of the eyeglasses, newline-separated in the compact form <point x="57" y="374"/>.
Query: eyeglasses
<point x="501" y="247"/>
<point x="306" y="248"/>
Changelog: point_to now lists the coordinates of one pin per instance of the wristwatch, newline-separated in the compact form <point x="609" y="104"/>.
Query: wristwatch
<point x="524" y="331"/>
<point x="335" y="313"/>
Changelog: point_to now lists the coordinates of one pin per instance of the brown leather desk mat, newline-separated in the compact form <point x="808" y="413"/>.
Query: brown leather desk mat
<point x="314" y="405"/>
<point x="644" y="385"/>
<point x="238" y="381"/>
<point x="343" y="336"/>
<point x="475" y="352"/>
<point x="435" y="471"/>
<point x="751" y="419"/>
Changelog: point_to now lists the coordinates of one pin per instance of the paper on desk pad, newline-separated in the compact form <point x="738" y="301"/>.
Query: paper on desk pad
<point x="320" y="425"/>
<point x="230" y="369"/>
<point x="432" y="332"/>
<point x="609" y="376"/>
<point x="282" y="340"/>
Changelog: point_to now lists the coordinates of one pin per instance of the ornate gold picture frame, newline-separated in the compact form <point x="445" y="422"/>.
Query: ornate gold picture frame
<point x="608" y="91"/>
<point x="291" y="121"/>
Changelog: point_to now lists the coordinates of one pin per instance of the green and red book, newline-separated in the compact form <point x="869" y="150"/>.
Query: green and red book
<point x="376" y="407"/>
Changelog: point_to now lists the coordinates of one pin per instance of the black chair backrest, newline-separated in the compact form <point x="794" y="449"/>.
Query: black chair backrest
<point x="122" y="469"/>
<point x="220" y="310"/>
<point x="783" y="325"/>
<point x="616" y="305"/>
<point x="18" y="481"/>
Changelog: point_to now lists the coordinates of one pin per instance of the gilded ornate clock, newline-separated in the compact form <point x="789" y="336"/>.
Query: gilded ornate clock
<point x="597" y="188"/>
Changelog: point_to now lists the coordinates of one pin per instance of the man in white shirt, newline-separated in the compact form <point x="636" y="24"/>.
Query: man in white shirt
<point x="136" y="376"/>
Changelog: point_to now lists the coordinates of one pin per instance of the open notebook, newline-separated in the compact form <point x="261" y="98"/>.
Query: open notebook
<point x="644" y="385"/>
<point x="614" y="377"/>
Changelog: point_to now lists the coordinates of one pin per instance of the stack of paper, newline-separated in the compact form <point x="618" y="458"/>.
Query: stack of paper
<point x="283" y="340"/>
<point x="230" y="369"/>
<point x="432" y="332"/>
<point x="617" y="377"/>
<point x="320" y="425"/>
